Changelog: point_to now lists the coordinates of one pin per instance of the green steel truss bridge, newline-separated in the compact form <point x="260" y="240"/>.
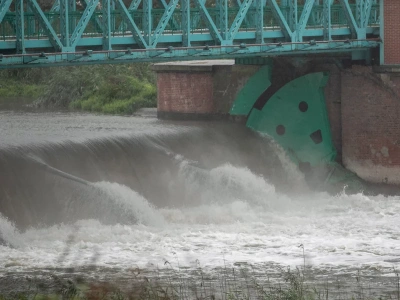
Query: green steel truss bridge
<point x="66" y="32"/>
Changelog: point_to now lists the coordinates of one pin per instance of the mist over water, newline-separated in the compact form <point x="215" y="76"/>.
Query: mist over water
<point x="213" y="194"/>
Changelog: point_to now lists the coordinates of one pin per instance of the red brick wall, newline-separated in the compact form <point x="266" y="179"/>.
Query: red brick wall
<point x="371" y="124"/>
<point x="392" y="32"/>
<point x="185" y="92"/>
<point x="333" y="105"/>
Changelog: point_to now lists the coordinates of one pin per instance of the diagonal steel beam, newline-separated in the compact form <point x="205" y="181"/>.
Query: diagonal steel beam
<point x="366" y="13"/>
<point x="239" y="19"/>
<point x="247" y="19"/>
<point x="163" y="22"/>
<point x="83" y="22"/>
<point x="277" y="13"/>
<point x="4" y="6"/>
<point x="56" y="6"/>
<point x="305" y="15"/>
<point x="208" y="20"/>
<point x="350" y="18"/>
<point x="175" y="24"/>
<point x="133" y="6"/>
<point x="99" y="24"/>
<point x="45" y="24"/>
<point x="137" y="35"/>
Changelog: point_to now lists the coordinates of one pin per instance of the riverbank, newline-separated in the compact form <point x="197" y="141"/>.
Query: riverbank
<point x="109" y="89"/>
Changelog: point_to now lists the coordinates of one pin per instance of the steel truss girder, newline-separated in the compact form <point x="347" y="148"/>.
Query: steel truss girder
<point x="191" y="53"/>
<point x="83" y="22"/>
<point x="131" y="24"/>
<point x="305" y="15"/>
<point x="106" y="24"/>
<point x="239" y="19"/>
<point x="186" y="35"/>
<point x="293" y="14"/>
<point x="174" y="22"/>
<point x="146" y="20"/>
<point x="20" y="27"/>
<point x="259" y="21"/>
<point x="210" y="23"/>
<point x="46" y="26"/>
<point x="277" y="13"/>
<point x="366" y="12"/>
<point x="326" y="19"/>
<point x="185" y="8"/>
<point x="4" y="6"/>
<point x="222" y="18"/>
<point x="163" y="22"/>
<point x="350" y="18"/>
<point x="64" y="22"/>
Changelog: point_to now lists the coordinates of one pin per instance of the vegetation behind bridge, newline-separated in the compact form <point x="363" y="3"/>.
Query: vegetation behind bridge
<point x="112" y="89"/>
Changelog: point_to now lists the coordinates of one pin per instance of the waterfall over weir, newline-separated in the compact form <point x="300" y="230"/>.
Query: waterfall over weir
<point x="52" y="183"/>
<point x="107" y="195"/>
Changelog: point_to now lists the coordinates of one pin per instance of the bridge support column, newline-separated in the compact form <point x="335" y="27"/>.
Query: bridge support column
<point x="199" y="89"/>
<point x="390" y="32"/>
<point x="370" y="123"/>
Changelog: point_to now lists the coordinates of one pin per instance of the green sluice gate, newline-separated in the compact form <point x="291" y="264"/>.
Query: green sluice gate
<point x="296" y="118"/>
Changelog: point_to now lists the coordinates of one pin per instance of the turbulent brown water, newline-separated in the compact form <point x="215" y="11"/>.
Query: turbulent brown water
<point x="105" y="195"/>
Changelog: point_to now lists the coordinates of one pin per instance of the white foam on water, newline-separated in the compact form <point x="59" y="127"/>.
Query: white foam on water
<point x="241" y="218"/>
<point x="129" y="201"/>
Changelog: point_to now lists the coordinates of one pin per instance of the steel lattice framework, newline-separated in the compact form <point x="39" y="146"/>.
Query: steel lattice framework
<point x="112" y="31"/>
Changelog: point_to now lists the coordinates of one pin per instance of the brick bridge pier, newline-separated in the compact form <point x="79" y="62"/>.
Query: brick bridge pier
<point x="362" y="97"/>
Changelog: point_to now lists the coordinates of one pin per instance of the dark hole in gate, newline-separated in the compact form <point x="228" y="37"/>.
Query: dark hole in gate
<point x="303" y="106"/>
<point x="316" y="136"/>
<point x="280" y="129"/>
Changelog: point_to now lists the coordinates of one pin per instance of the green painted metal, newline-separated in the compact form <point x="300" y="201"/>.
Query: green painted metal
<point x="327" y="20"/>
<point x="259" y="20"/>
<point x="174" y="22"/>
<point x="209" y="21"/>
<point x="106" y="25"/>
<point x="178" y="31"/>
<point x="64" y="22"/>
<point x="350" y="18"/>
<point x="186" y="20"/>
<point x="83" y="22"/>
<point x="305" y="15"/>
<point x="280" y="19"/>
<point x="293" y="12"/>
<point x="222" y="18"/>
<point x="296" y="117"/>
<point x="131" y="24"/>
<point x="163" y="22"/>
<point x="252" y="90"/>
<point x="20" y="27"/>
<point x="147" y="20"/>
<point x="239" y="19"/>
<point x="4" y="6"/>
<point x="45" y="24"/>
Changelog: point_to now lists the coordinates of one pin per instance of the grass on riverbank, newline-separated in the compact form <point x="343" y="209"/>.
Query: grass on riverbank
<point x="111" y="89"/>
<point x="227" y="284"/>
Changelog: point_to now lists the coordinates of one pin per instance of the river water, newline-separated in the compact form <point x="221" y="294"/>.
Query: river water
<point x="107" y="198"/>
